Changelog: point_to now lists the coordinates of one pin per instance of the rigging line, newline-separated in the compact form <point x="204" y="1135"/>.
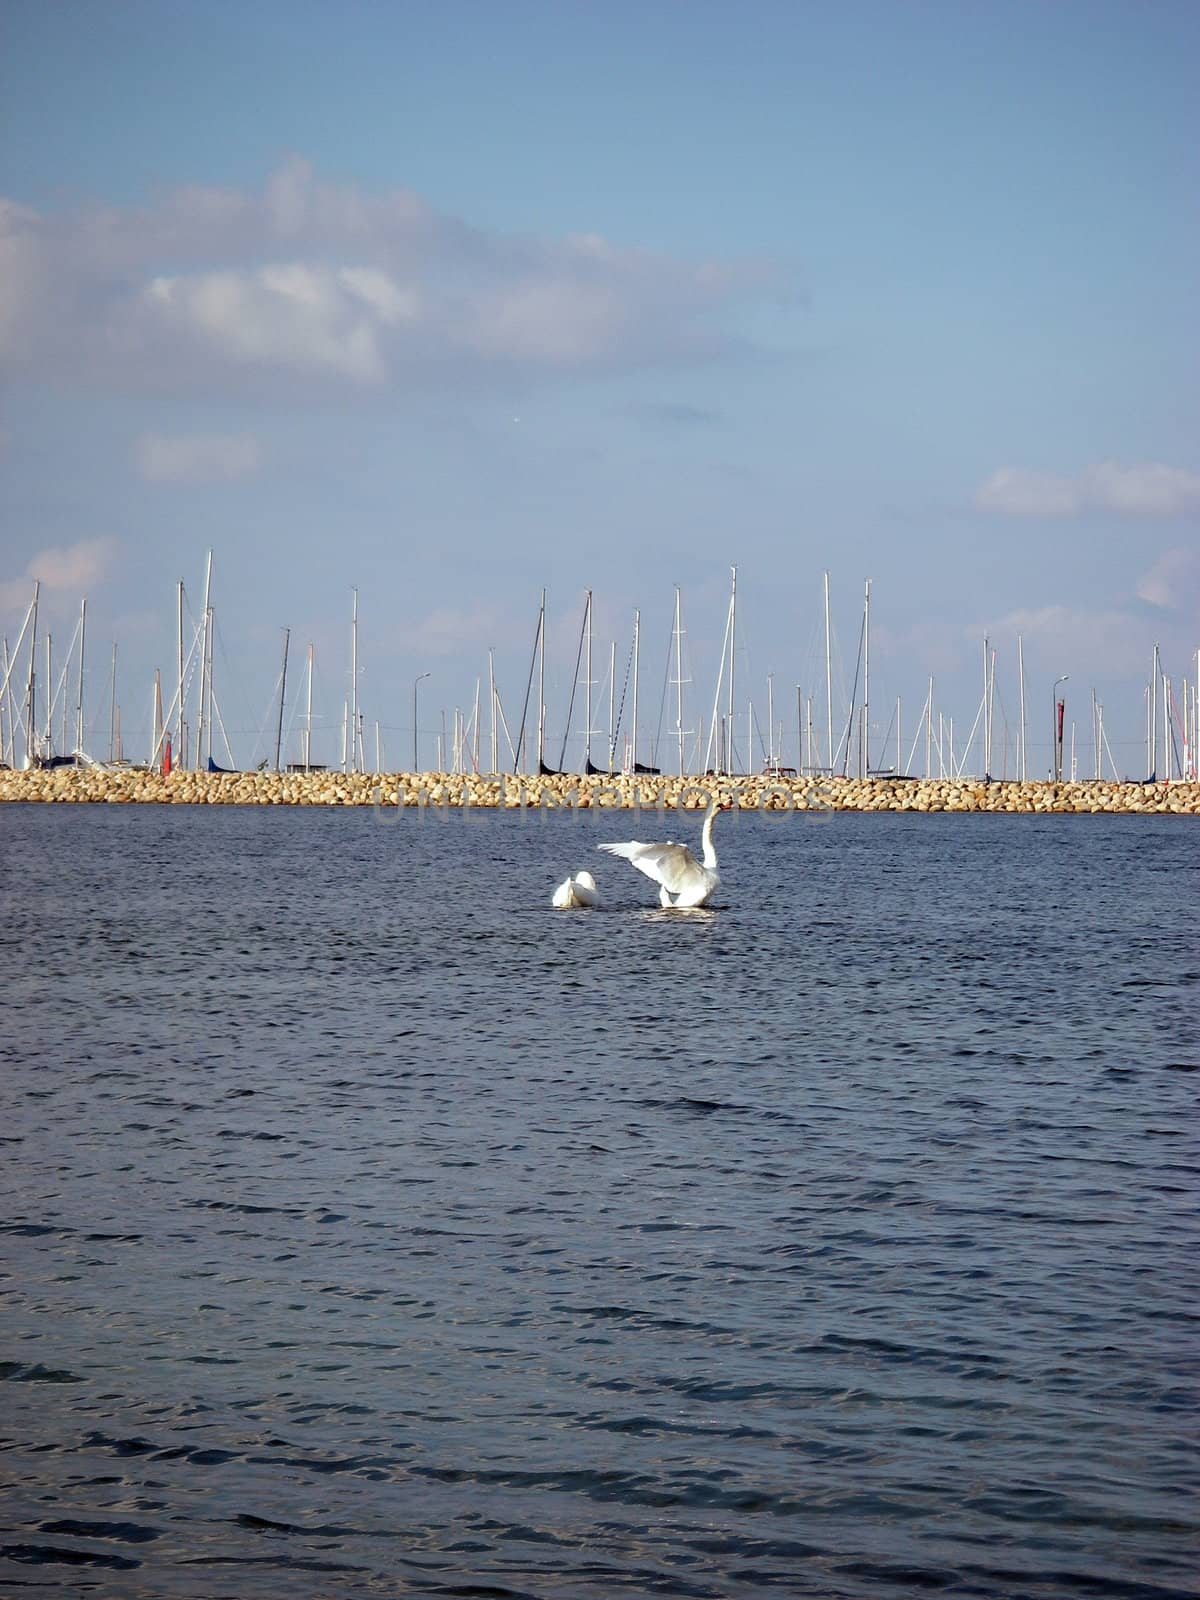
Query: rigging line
<point x="504" y="725"/>
<point x="221" y="724"/>
<point x="562" y="759"/>
<point x="884" y="742"/>
<point x="756" y="728"/>
<point x="662" y="701"/>
<point x="845" y="739"/>
<point x="621" y="708"/>
<point x="528" y="690"/>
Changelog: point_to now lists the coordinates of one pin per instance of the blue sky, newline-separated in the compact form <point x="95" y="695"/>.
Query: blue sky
<point x="452" y="302"/>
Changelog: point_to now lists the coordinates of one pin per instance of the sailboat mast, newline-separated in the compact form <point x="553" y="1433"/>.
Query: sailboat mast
<point x="181" y="753"/>
<point x="866" y="719"/>
<point x="6" y="739"/>
<point x="353" y="753"/>
<point x="732" y="634"/>
<point x="158" y="716"/>
<point x="204" y="664"/>
<point x="587" y="749"/>
<point x="1021" y="676"/>
<point x="113" y="713"/>
<point x="828" y="681"/>
<point x="679" y="680"/>
<point x="987" y="724"/>
<point x="1153" y="764"/>
<point x="541" y="726"/>
<point x="31" y="684"/>
<point x="637" y="637"/>
<point x="48" y="736"/>
<point x="287" y="634"/>
<point x="492" y="703"/>
<point x="79" y="687"/>
<point x="771" y="720"/>
<point x="308" y="718"/>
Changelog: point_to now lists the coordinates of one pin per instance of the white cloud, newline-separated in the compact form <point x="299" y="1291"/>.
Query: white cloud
<point x="69" y="569"/>
<point x="196" y="458"/>
<point x="1020" y="493"/>
<point x="448" y="629"/>
<point x="320" y="284"/>
<point x="1149" y="489"/>
<point x="1089" y="644"/>
<point x="1173" y="582"/>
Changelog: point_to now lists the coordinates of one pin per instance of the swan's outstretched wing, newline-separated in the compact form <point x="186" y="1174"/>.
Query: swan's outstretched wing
<point x="671" y="865"/>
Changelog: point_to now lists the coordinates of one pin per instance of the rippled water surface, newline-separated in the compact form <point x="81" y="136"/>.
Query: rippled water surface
<point x="371" y="1229"/>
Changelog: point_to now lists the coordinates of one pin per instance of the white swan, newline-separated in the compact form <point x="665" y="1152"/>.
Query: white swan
<point x="577" y="891"/>
<point x="683" y="880"/>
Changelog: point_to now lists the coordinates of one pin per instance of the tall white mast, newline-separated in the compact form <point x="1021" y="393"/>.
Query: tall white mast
<point x="6" y="719"/>
<point x="732" y="634"/>
<point x="828" y="681"/>
<point x="492" y="703"/>
<point x="181" y="753"/>
<point x="541" y="723"/>
<point x="637" y="636"/>
<point x="79" y="689"/>
<point x="866" y="710"/>
<point x="158" y="717"/>
<point x="31" y="683"/>
<point x="204" y="663"/>
<point x="112" y="708"/>
<point x="353" y="683"/>
<point x="987" y="720"/>
<point x="679" y="680"/>
<point x="1021" y="676"/>
<point x="475" y="724"/>
<point x="587" y="750"/>
<point x="1152" y="771"/>
<point x="308" y="718"/>
<point x="48" y="736"/>
<point x="770" y="720"/>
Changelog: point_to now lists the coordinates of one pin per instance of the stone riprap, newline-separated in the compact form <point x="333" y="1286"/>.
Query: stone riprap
<point x="97" y="785"/>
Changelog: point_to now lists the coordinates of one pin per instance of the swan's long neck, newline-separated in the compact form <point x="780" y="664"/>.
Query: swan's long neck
<point x="706" y="838"/>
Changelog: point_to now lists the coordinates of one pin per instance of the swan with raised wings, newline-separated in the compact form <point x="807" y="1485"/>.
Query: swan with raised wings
<point x="683" y="881"/>
<point x="576" y="892"/>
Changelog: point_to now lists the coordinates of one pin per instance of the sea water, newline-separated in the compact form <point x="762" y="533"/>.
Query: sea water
<point x="369" y="1228"/>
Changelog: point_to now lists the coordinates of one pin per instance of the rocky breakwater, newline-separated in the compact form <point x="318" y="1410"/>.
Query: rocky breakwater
<point x="124" y="785"/>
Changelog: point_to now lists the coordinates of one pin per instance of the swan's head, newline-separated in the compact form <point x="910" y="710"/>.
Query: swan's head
<point x="585" y="880"/>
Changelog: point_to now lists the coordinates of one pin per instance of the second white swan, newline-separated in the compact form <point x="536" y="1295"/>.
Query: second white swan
<point x="576" y="892"/>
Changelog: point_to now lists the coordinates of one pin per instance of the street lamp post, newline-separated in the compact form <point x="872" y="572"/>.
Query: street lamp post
<point x="1055" y="745"/>
<point x="416" y="681"/>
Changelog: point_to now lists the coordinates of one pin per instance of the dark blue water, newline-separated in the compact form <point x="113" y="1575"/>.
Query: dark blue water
<point x="371" y="1229"/>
